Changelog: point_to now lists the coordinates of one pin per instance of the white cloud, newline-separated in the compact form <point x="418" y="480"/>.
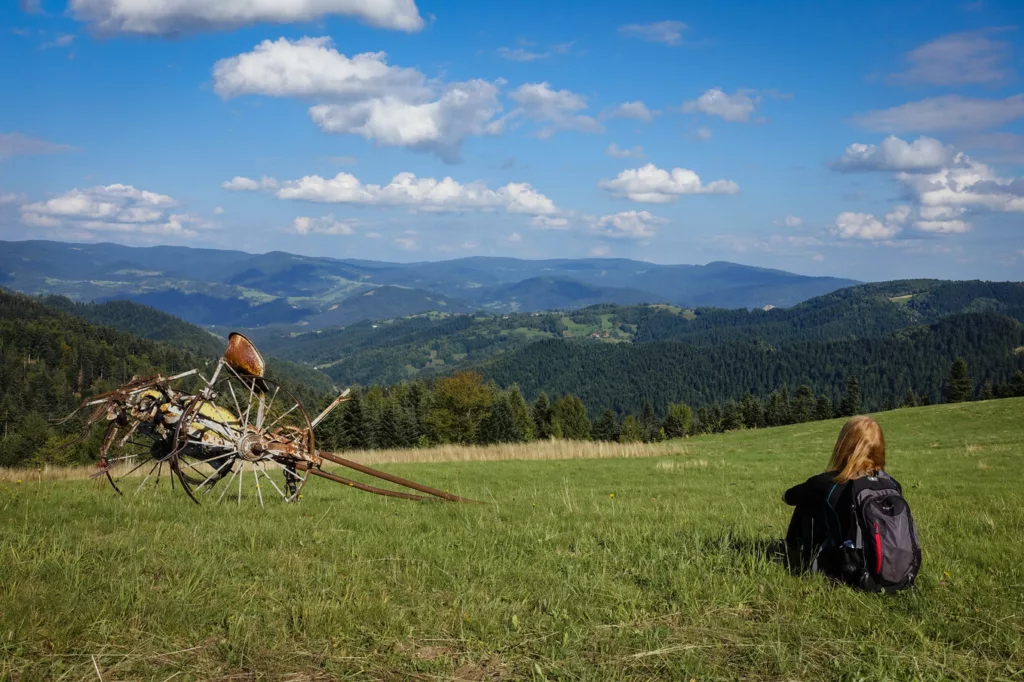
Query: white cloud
<point x="323" y="225"/>
<point x="703" y="133"/>
<point x="545" y="222"/>
<point x="407" y="244"/>
<point x="599" y="251"/>
<point x="171" y="17"/>
<point x="614" y="150"/>
<point x="373" y="235"/>
<point x="365" y="96"/>
<point x="964" y="186"/>
<point x="240" y="184"/>
<point x="651" y="184"/>
<point x="970" y="58"/>
<point x="667" y="32"/>
<point x="311" y="67"/>
<point x="343" y="160"/>
<point x="514" y="238"/>
<point x="407" y="190"/>
<point x="867" y="227"/>
<point x="218" y="210"/>
<point x="894" y="154"/>
<point x="635" y="110"/>
<point x="948" y="112"/>
<point x="627" y="224"/>
<point x="736" y="107"/>
<point x="521" y="54"/>
<point x="791" y="221"/>
<point x="114" y="208"/>
<point x="16" y="144"/>
<point x="557" y="108"/>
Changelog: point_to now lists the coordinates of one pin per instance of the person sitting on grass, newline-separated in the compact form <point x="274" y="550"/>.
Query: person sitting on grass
<point x="851" y="522"/>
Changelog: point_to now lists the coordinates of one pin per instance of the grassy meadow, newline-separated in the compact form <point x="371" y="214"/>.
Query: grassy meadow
<point x="579" y="566"/>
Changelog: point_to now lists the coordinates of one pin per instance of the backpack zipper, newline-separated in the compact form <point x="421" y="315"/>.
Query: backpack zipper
<point x="878" y="551"/>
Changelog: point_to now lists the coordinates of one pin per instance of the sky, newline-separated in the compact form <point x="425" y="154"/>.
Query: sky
<point x="870" y="140"/>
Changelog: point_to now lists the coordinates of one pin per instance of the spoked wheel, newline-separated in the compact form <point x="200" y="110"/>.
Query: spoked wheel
<point x="137" y="460"/>
<point x="254" y="448"/>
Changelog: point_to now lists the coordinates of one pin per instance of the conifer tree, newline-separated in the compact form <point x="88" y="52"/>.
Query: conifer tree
<point x="606" y="428"/>
<point x="958" y="386"/>
<point x="630" y="431"/>
<point x="802" y="405"/>
<point x="823" y="408"/>
<point x="850" y="404"/>
<point x="541" y="414"/>
<point x="678" y="421"/>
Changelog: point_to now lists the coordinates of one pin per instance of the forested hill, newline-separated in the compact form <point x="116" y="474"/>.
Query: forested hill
<point x="625" y="377"/>
<point x="149" y="323"/>
<point x="52" y="356"/>
<point x="143" y="321"/>
<point x="422" y="346"/>
<point x="50" y="361"/>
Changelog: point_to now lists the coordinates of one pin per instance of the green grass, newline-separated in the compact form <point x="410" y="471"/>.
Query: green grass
<point x="648" y="568"/>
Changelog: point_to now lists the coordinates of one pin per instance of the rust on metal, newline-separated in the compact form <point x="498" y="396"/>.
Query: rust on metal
<point x="235" y="430"/>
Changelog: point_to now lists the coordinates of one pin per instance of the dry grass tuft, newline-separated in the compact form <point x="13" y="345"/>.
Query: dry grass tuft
<point x="537" y="450"/>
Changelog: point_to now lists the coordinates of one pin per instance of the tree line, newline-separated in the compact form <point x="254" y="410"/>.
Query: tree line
<point x="465" y="408"/>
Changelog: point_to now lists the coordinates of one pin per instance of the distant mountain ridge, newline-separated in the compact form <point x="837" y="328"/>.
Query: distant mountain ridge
<point x="214" y="287"/>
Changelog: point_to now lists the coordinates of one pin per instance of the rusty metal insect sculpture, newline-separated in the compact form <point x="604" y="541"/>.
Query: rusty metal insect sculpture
<point x="238" y="432"/>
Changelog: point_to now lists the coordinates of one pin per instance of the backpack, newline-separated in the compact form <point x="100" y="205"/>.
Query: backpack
<point x="883" y="553"/>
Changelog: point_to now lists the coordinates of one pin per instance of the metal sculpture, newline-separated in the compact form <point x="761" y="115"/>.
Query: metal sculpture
<point x="218" y="433"/>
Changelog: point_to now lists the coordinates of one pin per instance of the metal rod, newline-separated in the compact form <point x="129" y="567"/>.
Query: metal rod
<point x="367" y="488"/>
<point x="392" y="478"/>
<point x="330" y="408"/>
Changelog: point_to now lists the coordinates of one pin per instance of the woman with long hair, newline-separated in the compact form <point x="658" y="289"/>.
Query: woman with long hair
<point x="822" y="518"/>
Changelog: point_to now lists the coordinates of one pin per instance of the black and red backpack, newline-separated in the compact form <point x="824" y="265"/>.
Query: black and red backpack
<point x="882" y="552"/>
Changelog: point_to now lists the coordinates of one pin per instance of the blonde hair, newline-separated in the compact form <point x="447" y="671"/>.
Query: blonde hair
<point x="860" y="450"/>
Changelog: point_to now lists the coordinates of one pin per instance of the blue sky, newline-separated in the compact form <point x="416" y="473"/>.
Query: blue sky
<point x="872" y="140"/>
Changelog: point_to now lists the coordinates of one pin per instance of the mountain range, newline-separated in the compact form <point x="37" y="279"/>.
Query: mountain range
<point x="213" y="287"/>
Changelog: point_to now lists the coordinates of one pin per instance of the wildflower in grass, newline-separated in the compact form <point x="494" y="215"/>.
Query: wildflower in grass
<point x="612" y="495"/>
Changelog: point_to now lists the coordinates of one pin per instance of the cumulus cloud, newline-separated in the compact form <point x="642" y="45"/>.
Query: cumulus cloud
<point x="666" y="32"/>
<point x="627" y="225"/>
<point x="650" y="184"/>
<point x="866" y="227"/>
<point x="113" y="208"/>
<point x="736" y="107"/>
<point x="16" y="144"/>
<point x="966" y="184"/>
<point x="407" y="243"/>
<point x="894" y="154"/>
<point x="943" y="201"/>
<point x="635" y="110"/>
<point x="614" y="150"/>
<point x="703" y="134"/>
<point x="218" y="210"/>
<point x="323" y="225"/>
<point x="171" y="17"/>
<point x="241" y="184"/>
<point x="364" y="95"/>
<point x="948" y="112"/>
<point x="514" y="238"/>
<point x="558" y="109"/>
<point x="311" y="67"/>
<point x="407" y="190"/>
<point x="969" y="58"/>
